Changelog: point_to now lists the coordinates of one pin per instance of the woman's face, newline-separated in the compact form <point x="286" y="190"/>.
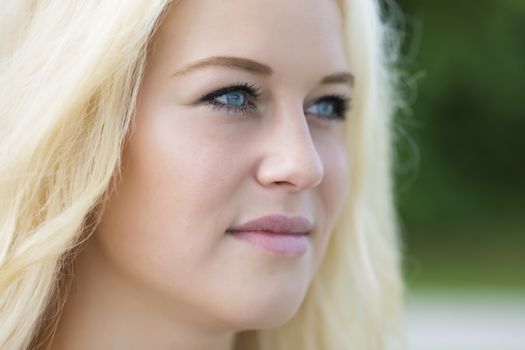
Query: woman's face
<point x="239" y="117"/>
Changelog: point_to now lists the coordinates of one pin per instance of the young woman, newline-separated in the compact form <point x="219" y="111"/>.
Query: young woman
<point x="196" y="175"/>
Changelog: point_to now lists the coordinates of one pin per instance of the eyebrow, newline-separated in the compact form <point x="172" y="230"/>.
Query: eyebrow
<point x="254" y="67"/>
<point x="229" y="62"/>
<point x="337" y="78"/>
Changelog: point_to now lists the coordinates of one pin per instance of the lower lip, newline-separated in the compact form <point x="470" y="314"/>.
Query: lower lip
<point x="282" y="244"/>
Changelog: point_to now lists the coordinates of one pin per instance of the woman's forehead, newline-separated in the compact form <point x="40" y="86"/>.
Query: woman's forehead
<point x="287" y="35"/>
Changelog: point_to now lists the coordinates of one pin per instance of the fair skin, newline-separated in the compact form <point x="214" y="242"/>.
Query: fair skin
<point x="160" y="272"/>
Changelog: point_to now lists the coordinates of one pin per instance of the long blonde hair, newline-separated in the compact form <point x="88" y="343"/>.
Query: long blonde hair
<point x="69" y="77"/>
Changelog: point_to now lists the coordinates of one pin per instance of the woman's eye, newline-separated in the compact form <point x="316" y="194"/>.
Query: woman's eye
<point x="237" y="98"/>
<point x="241" y="98"/>
<point x="330" y="107"/>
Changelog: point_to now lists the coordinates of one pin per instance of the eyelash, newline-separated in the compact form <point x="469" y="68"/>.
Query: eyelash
<point x="341" y="102"/>
<point x="250" y="89"/>
<point x="341" y="105"/>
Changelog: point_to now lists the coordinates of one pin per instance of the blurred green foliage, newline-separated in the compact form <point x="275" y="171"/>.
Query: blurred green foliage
<point x="460" y="164"/>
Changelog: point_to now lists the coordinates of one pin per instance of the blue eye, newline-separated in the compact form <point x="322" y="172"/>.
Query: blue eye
<point x="330" y="107"/>
<point x="324" y="108"/>
<point x="241" y="98"/>
<point x="237" y="98"/>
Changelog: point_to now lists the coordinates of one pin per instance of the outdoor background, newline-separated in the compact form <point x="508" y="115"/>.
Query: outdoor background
<point x="461" y="171"/>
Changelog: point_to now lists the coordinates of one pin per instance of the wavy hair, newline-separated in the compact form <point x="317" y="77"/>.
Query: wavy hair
<point x="69" y="77"/>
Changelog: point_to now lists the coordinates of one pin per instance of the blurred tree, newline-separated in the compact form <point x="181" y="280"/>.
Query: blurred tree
<point x="462" y="205"/>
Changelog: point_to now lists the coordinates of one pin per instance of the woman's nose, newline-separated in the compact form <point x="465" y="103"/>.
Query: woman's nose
<point x="290" y="155"/>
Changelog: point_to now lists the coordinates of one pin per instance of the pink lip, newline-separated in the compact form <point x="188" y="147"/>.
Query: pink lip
<point x="278" y="224"/>
<point x="276" y="233"/>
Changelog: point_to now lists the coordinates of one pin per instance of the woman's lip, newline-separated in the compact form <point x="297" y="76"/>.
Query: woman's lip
<point x="275" y="242"/>
<point x="279" y="234"/>
<point x="269" y="233"/>
<point x="276" y="224"/>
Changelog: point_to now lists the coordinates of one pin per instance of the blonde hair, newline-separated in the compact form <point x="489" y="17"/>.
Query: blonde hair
<point x="69" y="77"/>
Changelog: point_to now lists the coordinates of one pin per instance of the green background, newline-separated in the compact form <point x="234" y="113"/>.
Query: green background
<point x="460" y="168"/>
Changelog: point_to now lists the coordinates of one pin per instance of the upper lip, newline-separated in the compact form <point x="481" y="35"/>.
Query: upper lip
<point x="276" y="224"/>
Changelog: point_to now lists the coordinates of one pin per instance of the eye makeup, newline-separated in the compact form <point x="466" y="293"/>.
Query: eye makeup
<point x="249" y="93"/>
<point x="330" y="107"/>
<point x="241" y="98"/>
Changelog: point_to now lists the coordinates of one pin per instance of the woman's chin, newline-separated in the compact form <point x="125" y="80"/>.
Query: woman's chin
<point x="264" y="312"/>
